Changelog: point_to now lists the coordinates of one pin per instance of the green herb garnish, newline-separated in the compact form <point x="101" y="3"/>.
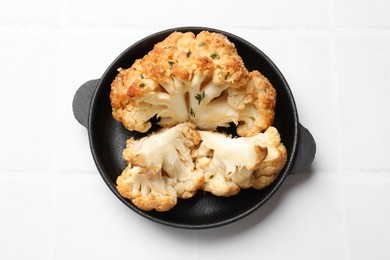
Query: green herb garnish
<point x="227" y="75"/>
<point x="188" y="53"/>
<point x="142" y="85"/>
<point x="142" y="76"/>
<point x="171" y="63"/>
<point x="201" y="44"/>
<point x="214" y="55"/>
<point x="200" y="97"/>
<point x="192" y="112"/>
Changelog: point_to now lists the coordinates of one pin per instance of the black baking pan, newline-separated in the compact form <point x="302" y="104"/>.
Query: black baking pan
<point x="107" y="138"/>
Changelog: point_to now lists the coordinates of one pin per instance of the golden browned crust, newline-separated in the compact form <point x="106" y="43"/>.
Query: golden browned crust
<point x="273" y="163"/>
<point x="270" y="169"/>
<point x="179" y="57"/>
<point x="131" y="190"/>
<point x="264" y="99"/>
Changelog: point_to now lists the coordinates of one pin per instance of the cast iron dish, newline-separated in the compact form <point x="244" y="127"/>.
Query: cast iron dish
<point x="107" y="138"/>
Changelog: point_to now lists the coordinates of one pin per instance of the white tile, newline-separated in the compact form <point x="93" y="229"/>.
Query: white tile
<point x="303" y="58"/>
<point x="264" y="14"/>
<point x="122" y="13"/>
<point x="86" y="55"/>
<point x="304" y="217"/>
<point x="175" y="13"/>
<point x="29" y="61"/>
<point x="363" y="82"/>
<point x="366" y="13"/>
<point x="25" y="12"/>
<point x="368" y="214"/>
<point x="25" y="216"/>
<point x="93" y="224"/>
<point x="302" y="221"/>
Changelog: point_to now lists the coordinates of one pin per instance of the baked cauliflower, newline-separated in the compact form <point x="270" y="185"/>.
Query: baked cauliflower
<point x="230" y="164"/>
<point x="199" y="78"/>
<point x="160" y="168"/>
<point x="194" y="84"/>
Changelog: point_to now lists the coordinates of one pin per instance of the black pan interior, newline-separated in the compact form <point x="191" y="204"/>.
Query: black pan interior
<point x="107" y="140"/>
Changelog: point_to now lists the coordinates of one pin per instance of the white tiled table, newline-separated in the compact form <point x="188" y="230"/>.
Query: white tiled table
<point x="335" y="55"/>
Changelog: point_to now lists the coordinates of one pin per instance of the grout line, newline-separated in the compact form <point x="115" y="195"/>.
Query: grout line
<point x="336" y="109"/>
<point x="58" y="104"/>
<point x="334" y="84"/>
<point x="59" y="94"/>
<point x="59" y="90"/>
<point x="64" y="24"/>
<point x="344" y="219"/>
<point x="53" y="213"/>
<point x="64" y="14"/>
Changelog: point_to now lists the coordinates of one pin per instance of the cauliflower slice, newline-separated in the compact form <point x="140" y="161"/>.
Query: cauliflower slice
<point x="174" y="163"/>
<point x="193" y="78"/>
<point x="228" y="162"/>
<point x="161" y="168"/>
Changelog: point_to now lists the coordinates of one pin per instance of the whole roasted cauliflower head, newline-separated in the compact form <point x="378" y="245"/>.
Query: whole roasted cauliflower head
<point x="199" y="78"/>
<point x="161" y="168"/>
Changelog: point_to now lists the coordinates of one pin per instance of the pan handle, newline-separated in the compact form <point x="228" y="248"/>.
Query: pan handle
<point x="82" y="101"/>
<point x="306" y="150"/>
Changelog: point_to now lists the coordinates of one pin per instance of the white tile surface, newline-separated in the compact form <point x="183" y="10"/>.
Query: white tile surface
<point x="36" y="13"/>
<point x="28" y="107"/>
<point x="363" y="78"/>
<point x="335" y="56"/>
<point x="362" y="13"/>
<point x="308" y="227"/>
<point x="25" y="216"/>
<point x="367" y="212"/>
<point x="93" y="224"/>
<point x="149" y="13"/>
<point x="264" y="14"/>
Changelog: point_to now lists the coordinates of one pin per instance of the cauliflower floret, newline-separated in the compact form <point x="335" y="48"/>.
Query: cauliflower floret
<point x="193" y="78"/>
<point x="164" y="99"/>
<point x="228" y="162"/>
<point x="161" y="168"/>
<point x="256" y="105"/>
<point x="276" y="158"/>
<point x="146" y="190"/>
<point x="233" y="163"/>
